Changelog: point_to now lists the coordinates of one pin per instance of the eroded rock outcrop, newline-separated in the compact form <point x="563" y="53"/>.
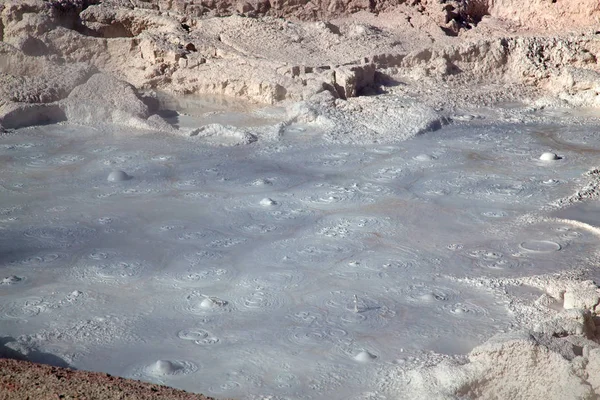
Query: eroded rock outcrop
<point x="174" y="46"/>
<point x="104" y="99"/>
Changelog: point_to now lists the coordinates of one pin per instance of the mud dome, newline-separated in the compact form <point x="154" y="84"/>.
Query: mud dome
<point x="299" y="266"/>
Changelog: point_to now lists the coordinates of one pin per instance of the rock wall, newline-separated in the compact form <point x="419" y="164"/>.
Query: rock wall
<point x="552" y="15"/>
<point x="299" y="9"/>
<point x="451" y="14"/>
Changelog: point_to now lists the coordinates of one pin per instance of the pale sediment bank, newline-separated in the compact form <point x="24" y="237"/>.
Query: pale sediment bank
<point x="446" y="57"/>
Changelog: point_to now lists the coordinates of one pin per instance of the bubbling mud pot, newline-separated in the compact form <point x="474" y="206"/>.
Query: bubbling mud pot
<point x="363" y="256"/>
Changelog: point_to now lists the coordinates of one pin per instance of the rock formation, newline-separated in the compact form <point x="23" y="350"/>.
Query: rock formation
<point x="272" y="52"/>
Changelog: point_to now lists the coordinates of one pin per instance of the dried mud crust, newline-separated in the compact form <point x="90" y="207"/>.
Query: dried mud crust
<point x="25" y="380"/>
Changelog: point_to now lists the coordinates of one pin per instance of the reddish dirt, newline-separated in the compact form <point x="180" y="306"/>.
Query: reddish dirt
<point x="20" y="380"/>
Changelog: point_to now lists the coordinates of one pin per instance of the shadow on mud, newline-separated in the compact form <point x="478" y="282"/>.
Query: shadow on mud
<point x="11" y="348"/>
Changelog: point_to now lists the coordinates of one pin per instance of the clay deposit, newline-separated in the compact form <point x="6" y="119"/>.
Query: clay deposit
<point x="214" y="195"/>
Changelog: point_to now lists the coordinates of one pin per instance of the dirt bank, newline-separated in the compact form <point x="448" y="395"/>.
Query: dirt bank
<point x="24" y="380"/>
